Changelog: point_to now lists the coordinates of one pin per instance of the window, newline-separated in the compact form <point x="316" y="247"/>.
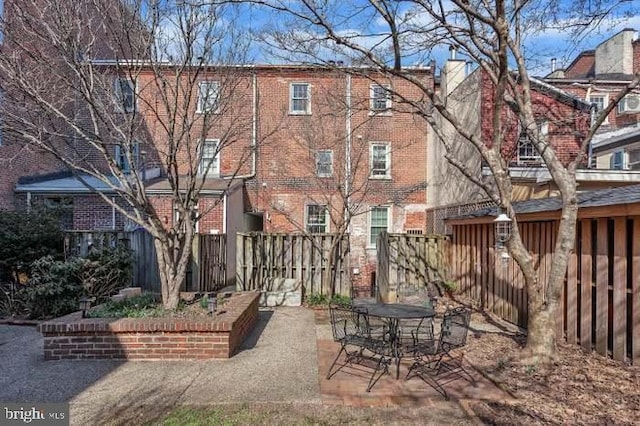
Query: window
<point x="195" y="218"/>
<point x="527" y="152"/>
<point x="378" y="222"/>
<point x="125" y="159"/>
<point x="125" y="91"/>
<point x="317" y="219"/>
<point x="380" y="98"/>
<point x="209" y="159"/>
<point x="601" y="101"/>
<point x="300" y="98"/>
<point x="380" y="161"/>
<point x="208" y="93"/>
<point x="617" y="161"/>
<point x="324" y="163"/>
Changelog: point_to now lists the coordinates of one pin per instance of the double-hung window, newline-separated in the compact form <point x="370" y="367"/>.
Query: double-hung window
<point x="208" y="97"/>
<point x="324" y="163"/>
<point x="300" y="97"/>
<point x="380" y="98"/>
<point x="127" y="156"/>
<point x="380" y="161"/>
<point x="527" y="152"/>
<point x="601" y="101"/>
<point x="617" y="161"/>
<point x="317" y="219"/>
<point x="125" y="91"/>
<point x="379" y="219"/>
<point x="209" y="158"/>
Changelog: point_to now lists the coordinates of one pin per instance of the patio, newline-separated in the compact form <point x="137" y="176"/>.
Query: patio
<point x="347" y="387"/>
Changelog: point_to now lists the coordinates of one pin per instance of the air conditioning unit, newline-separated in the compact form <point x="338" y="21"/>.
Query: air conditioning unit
<point x="631" y="103"/>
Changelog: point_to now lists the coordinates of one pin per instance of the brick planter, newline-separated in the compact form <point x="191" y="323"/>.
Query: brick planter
<point x="74" y="337"/>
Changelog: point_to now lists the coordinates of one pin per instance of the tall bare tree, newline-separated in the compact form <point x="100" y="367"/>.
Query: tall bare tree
<point x="380" y="33"/>
<point x="117" y="90"/>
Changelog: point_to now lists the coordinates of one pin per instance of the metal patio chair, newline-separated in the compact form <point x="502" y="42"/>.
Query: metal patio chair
<point x="439" y="361"/>
<point x="350" y="328"/>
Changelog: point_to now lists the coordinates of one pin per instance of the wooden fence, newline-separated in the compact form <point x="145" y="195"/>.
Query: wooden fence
<point x="601" y="295"/>
<point x="409" y="259"/>
<point x="260" y="257"/>
<point x="206" y="274"/>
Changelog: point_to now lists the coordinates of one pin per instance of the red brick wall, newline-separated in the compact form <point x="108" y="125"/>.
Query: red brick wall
<point x="567" y="126"/>
<point x="72" y="337"/>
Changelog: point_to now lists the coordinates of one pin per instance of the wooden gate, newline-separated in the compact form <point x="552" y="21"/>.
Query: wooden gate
<point x="212" y="255"/>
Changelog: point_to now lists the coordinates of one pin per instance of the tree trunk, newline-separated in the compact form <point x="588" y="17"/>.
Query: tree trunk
<point x="172" y="268"/>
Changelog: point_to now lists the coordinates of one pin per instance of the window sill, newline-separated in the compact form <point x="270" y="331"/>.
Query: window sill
<point x="380" y="113"/>
<point x="207" y="112"/>
<point x="380" y="177"/>
<point x="299" y="113"/>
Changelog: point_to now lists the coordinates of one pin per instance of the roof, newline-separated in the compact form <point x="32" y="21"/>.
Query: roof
<point x="70" y="184"/>
<point x="559" y="94"/>
<point x="610" y="141"/>
<point x="599" y="198"/>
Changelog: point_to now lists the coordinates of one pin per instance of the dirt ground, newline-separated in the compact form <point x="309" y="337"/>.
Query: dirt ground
<point x="581" y="388"/>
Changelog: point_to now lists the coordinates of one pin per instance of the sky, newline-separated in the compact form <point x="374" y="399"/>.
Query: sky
<point x="542" y="46"/>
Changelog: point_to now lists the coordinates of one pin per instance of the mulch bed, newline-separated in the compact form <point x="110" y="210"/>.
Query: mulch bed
<point x="580" y="388"/>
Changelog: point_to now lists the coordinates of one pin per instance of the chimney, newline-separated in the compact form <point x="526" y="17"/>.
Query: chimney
<point x="452" y="52"/>
<point x="553" y="64"/>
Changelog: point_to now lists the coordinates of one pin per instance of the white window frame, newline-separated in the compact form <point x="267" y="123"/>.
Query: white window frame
<point x="373" y="99"/>
<point x="196" y="208"/>
<point x="209" y="91"/>
<point x="124" y="163"/>
<point x="319" y="164"/>
<point x="605" y="103"/>
<point x="373" y="243"/>
<point x="622" y="164"/>
<point x="525" y="144"/>
<point x="119" y="95"/>
<point x="214" y="166"/>
<point x="376" y="175"/>
<point x="307" y="222"/>
<point x="293" y="98"/>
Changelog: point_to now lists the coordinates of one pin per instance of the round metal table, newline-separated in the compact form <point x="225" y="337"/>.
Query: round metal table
<point x="392" y="313"/>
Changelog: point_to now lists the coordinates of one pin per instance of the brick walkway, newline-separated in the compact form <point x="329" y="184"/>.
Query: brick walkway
<point x="347" y="387"/>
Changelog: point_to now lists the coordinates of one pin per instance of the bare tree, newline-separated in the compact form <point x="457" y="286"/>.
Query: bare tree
<point x="493" y="35"/>
<point x="123" y="91"/>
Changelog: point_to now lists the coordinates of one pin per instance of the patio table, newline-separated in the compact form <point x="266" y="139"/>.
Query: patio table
<point x="392" y="313"/>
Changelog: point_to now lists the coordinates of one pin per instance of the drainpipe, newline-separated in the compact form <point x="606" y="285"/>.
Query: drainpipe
<point x="29" y="201"/>
<point x="593" y="114"/>
<point x="113" y="213"/>
<point x="224" y="213"/>
<point x="347" y="150"/>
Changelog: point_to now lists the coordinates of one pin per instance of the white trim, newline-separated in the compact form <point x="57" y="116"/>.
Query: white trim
<point x="372" y="100"/>
<point x="200" y="100"/>
<point x="605" y="102"/>
<point x="214" y="167"/>
<point x="307" y="111"/>
<point x="389" y="222"/>
<point x="327" y="221"/>
<point x="317" y="153"/>
<point x="387" y="145"/>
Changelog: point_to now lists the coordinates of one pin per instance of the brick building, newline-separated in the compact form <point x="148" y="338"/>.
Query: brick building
<point x="293" y="148"/>
<point x="598" y="76"/>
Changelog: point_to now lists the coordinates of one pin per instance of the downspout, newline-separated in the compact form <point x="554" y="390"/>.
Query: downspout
<point x="593" y="114"/>
<point x="224" y="213"/>
<point x="29" y="201"/>
<point x="113" y="213"/>
<point x="347" y="153"/>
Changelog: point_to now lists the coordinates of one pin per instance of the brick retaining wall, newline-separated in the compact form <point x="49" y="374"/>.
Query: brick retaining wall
<point x="74" y="337"/>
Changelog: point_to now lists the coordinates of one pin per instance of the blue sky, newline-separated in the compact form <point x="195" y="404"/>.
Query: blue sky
<point x="541" y="46"/>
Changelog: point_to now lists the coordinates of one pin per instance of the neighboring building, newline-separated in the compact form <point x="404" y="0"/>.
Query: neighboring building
<point x="308" y="144"/>
<point x="561" y="117"/>
<point x="598" y="76"/>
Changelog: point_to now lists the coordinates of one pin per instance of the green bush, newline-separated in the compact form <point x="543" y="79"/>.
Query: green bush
<point x="54" y="287"/>
<point x="26" y="237"/>
<point x="317" y="300"/>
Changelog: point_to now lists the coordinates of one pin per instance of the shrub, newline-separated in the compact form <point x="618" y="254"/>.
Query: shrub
<point x="317" y="300"/>
<point x="26" y="237"/>
<point x="106" y="271"/>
